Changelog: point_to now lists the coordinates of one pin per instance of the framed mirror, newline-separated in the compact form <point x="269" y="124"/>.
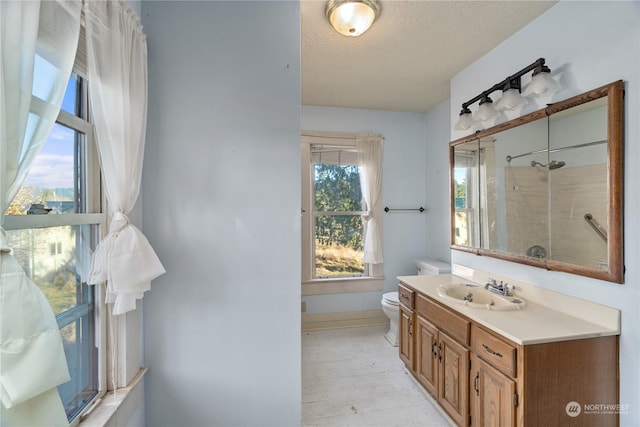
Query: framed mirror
<point x="545" y="189"/>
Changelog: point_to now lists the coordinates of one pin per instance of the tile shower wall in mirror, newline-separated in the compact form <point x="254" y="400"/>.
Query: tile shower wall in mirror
<point x="578" y="185"/>
<point x="514" y="185"/>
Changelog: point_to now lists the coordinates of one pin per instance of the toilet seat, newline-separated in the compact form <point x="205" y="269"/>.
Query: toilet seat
<point x="391" y="298"/>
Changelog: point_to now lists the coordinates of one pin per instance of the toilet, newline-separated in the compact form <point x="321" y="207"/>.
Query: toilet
<point x="432" y="266"/>
<point x="391" y="304"/>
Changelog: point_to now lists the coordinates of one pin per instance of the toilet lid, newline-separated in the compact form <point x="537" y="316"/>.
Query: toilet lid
<point x="391" y="297"/>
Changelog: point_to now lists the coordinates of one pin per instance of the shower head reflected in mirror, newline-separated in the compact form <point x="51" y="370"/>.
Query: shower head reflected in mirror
<point x="553" y="164"/>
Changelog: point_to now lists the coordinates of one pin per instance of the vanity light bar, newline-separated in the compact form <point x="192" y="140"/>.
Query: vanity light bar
<point x="511" y="82"/>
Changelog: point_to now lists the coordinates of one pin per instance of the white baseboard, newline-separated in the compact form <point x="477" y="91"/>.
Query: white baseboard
<point x="348" y="319"/>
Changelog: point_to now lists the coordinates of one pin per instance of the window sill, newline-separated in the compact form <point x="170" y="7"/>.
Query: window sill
<point x="108" y="411"/>
<point x="342" y="285"/>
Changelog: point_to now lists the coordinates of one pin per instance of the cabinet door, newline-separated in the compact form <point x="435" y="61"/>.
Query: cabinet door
<point x="406" y="336"/>
<point x="427" y="355"/>
<point x="492" y="396"/>
<point x="453" y="380"/>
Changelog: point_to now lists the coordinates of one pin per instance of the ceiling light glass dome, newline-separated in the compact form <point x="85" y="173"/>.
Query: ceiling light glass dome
<point x="352" y="17"/>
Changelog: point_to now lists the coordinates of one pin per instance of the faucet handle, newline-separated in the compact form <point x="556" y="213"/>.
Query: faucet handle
<point x="509" y="289"/>
<point x="492" y="281"/>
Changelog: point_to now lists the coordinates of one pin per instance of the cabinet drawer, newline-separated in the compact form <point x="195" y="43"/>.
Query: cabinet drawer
<point x="457" y="327"/>
<point x="495" y="351"/>
<point x="406" y="296"/>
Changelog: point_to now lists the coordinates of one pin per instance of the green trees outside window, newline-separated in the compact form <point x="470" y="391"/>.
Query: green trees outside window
<point x="338" y="223"/>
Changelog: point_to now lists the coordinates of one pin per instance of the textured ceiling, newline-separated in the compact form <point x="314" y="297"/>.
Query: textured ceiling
<point x="405" y="60"/>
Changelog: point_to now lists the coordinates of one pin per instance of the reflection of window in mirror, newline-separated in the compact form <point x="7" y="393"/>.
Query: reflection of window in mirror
<point x="465" y="182"/>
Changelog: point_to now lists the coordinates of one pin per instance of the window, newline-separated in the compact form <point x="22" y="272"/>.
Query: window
<point x="333" y="228"/>
<point x="337" y="213"/>
<point x="52" y="225"/>
<point x="465" y="181"/>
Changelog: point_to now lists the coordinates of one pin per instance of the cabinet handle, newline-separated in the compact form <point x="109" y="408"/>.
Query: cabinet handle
<point x="410" y="327"/>
<point x="475" y="383"/>
<point x="440" y="352"/>
<point x="433" y="349"/>
<point x="488" y="350"/>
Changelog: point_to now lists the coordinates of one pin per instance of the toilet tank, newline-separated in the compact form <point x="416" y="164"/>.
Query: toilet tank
<point x="432" y="266"/>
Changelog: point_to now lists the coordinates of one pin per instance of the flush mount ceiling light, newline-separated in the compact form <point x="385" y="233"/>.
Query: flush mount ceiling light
<point x="541" y="83"/>
<point x="352" y="17"/>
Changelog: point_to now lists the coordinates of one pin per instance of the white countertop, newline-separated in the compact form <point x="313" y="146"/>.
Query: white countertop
<point x="534" y="324"/>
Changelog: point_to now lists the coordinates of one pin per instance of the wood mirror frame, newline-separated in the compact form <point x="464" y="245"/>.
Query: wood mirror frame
<point x="614" y="271"/>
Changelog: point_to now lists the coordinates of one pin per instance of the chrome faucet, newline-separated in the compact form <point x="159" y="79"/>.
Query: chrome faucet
<point x="501" y="289"/>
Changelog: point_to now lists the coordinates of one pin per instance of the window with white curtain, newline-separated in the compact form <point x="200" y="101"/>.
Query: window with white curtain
<point x="52" y="226"/>
<point x="333" y="228"/>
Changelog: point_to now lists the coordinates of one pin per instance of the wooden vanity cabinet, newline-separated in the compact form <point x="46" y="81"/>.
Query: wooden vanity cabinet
<point x="532" y="385"/>
<point x="493" y="392"/>
<point x="493" y="397"/>
<point x="406" y="341"/>
<point x="427" y="366"/>
<point x="553" y="375"/>
<point x="482" y="379"/>
<point x="442" y="362"/>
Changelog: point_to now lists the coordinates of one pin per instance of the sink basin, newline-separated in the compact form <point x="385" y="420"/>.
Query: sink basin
<point x="476" y="296"/>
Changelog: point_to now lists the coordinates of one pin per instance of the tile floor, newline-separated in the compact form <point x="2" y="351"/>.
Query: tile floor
<point x="354" y="377"/>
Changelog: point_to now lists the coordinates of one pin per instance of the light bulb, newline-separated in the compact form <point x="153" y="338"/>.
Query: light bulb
<point x="465" y="121"/>
<point x="541" y="83"/>
<point x="511" y="100"/>
<point x="486" y="111"/>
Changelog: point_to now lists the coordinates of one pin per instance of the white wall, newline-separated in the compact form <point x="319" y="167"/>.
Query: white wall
<point x="586" y="44"/>
<point x="438" y="234"/>
<point x="221" y="207"/>
<point x="403" y="186"/>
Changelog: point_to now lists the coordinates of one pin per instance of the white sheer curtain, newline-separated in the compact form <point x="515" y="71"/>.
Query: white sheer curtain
<point x="117" y="73"/>
<point x="44" y="36"/>
<point x="370" y="162"/>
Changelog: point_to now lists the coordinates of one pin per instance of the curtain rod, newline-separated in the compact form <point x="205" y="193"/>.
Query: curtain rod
<point x="334" y="135"/>
<point x="334" y="149"/>
<point x="330" y="136"/>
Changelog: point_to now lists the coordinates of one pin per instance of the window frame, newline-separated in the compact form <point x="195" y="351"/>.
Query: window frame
<point x="95" y="204"/>
<point x="316" y="214"/>
<point x="471" y="209"/>
<point x="372" y="279"/>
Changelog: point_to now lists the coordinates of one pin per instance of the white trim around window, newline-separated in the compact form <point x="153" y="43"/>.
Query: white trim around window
<point x="342" y="285"/>
<point x="374" y="279"/>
